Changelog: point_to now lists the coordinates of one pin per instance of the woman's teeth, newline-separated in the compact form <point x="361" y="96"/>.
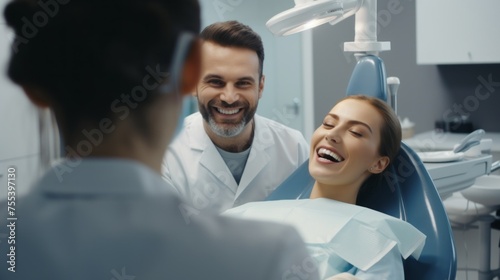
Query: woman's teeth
<point x="327" y="154"/>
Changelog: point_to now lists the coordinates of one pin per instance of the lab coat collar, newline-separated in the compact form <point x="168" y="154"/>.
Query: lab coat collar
<point x="258" y="157"/>
<point x="92" y="176"/>
<point x="210" y="158"/>
<point x="197" y="137"/>
<point x="212" y="161"/>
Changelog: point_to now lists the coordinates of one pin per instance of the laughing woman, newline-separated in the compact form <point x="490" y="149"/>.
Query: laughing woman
<point x="359" y="138"/>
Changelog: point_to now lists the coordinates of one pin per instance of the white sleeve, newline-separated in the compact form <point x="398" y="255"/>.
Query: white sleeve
<point x="303" y="148"/>
<point x="389" y="267"/>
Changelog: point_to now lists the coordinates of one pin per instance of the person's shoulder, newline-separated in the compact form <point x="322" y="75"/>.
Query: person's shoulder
<point x="208" y="229"/>
<point x="271" y="230"/>
<point x="273" y="247"/>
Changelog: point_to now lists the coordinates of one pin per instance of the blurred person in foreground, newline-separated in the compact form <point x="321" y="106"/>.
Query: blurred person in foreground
<point x="114" y="73"/>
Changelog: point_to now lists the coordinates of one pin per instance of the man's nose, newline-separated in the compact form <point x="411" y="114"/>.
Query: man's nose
<point x="229" y="94"/>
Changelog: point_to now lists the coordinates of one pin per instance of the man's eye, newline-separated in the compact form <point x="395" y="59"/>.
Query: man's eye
<point x="243" y="84"/>
<point x="214" y="82"/>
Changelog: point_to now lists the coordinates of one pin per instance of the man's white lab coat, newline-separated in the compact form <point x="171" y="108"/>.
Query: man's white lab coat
<point x="198" y="172"/>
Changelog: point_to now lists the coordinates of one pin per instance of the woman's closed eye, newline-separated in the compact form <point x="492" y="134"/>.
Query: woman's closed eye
<point x="356" y="134"/>
<point x="328" y="125"/>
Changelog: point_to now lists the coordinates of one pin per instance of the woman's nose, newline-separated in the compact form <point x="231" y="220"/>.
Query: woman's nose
<point x="333" y="135"/>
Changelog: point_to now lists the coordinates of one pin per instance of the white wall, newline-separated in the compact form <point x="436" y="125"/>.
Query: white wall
<point x="19" y="141"/>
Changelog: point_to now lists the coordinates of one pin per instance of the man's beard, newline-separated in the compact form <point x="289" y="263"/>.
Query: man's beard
<point x="227" y="129"/>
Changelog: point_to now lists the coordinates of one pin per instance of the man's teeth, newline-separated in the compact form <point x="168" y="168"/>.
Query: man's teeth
<point x="228" y="112"/>
<point x="329" y="155"/>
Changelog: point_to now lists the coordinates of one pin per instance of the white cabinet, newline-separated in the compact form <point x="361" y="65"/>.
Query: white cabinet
<point x="458" y="31"/>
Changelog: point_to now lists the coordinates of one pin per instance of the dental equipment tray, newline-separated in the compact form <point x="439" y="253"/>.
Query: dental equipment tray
<point x="450" y="177"/>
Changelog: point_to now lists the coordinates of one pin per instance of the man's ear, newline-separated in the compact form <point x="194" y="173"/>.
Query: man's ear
<point x="380" y="165"/>
<point x="261" y="85"/>
<point x="192" y="68"/>
<point x="37" y="96"/>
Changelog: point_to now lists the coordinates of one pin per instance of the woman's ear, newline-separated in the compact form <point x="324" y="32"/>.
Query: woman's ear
<point x="380" y="165"/>
<point x="192" y="68"/>
<point x="37" y="96"/>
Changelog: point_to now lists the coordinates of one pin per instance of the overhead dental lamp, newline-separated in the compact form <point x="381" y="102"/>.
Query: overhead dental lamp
<point x="368" y="76"/>
<point x="311" y="13"/>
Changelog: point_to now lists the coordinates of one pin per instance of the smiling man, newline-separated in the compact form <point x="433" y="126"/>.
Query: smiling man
<point x="228" y="155"/>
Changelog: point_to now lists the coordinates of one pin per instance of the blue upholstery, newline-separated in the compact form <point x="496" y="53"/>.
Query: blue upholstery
<point x="405" y="190"/>
<point x="368" y="78"/>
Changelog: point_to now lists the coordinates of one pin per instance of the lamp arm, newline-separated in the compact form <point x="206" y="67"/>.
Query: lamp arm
<point x="365" y="27"/>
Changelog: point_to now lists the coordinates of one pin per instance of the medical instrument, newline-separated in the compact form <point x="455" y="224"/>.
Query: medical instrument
<point x="393" y="86"/>
<point x="458" y="153"/>
<point x="469" y="141"/>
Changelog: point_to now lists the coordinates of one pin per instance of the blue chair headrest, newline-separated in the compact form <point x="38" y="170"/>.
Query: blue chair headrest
<point x="368" y="78"/>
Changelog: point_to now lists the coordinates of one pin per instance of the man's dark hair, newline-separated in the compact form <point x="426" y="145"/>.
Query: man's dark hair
<point x="235" y="34"/>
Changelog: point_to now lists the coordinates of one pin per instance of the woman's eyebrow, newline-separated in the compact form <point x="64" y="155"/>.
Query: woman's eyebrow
<point x="336" y="117"/>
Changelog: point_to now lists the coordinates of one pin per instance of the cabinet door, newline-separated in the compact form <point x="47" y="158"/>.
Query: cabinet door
<point x="457" y="31"/>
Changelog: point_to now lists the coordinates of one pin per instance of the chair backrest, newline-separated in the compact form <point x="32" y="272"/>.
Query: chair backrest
<point x="405" y="190"/>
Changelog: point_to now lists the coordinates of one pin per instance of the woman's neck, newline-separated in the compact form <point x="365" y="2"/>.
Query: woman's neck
<point x="347" y="194"/>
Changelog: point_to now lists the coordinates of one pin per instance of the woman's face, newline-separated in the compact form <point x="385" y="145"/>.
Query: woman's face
<point x="345" y="147"/>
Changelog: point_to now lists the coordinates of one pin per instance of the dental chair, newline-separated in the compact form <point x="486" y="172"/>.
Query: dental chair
<point x="405" y="190"/>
